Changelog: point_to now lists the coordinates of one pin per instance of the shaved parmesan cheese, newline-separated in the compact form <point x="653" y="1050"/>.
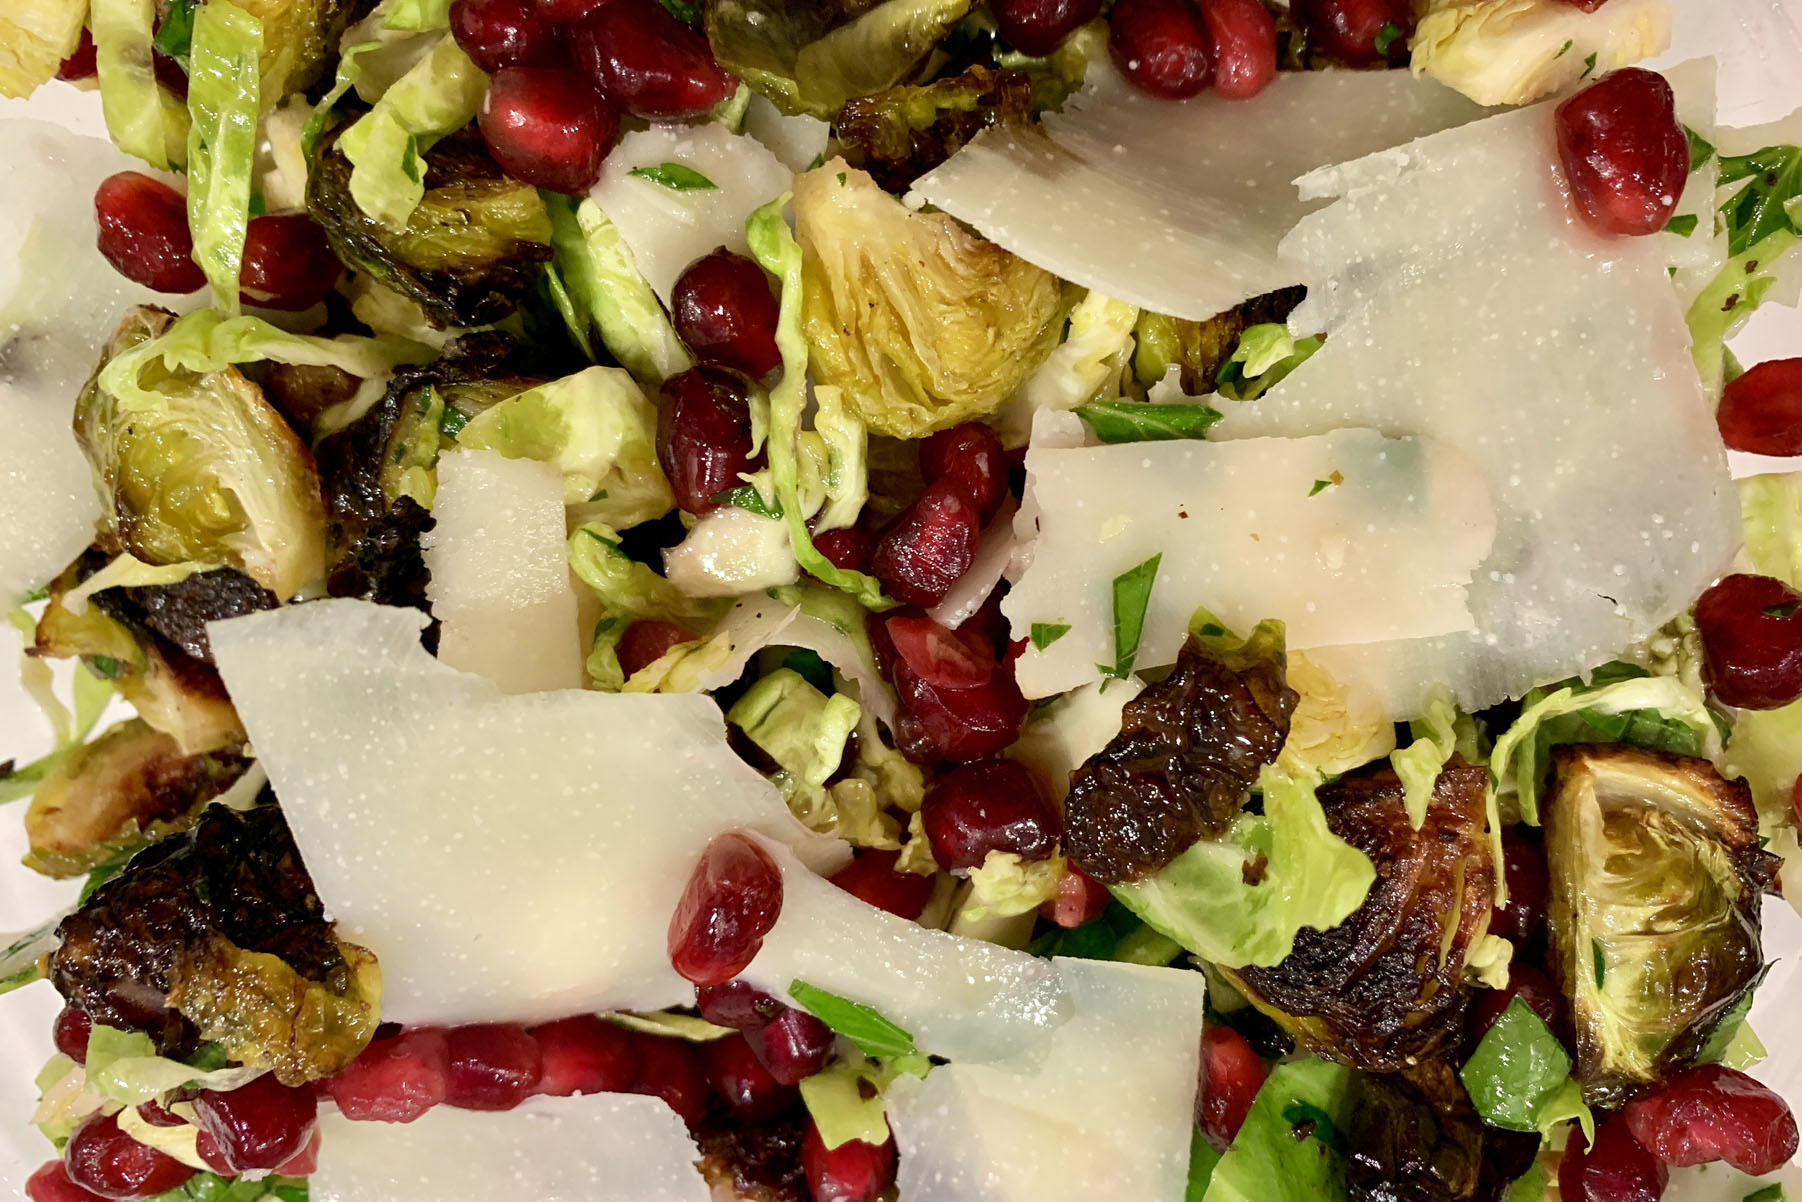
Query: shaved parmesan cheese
<point x="1316" y="531"/>
<point x="1696" y="257"/>
<point x="1177" y="206"/>
<point x="1464" y="302"/>
<point x="798" y="140"/>
<point x="668" y="225"/>
<point x="596" y="1148"/>
<point x="1064" y="733"/>
<point x="1108" y="1114"/>
<point x="732" y="551"/>
<point x="500" y="577"/>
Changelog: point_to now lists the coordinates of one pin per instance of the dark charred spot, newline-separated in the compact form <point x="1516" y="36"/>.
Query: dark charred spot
<point x="1416" y="1138"/>
<point x="761" y="1161"/>
<point x="179" y="612"/>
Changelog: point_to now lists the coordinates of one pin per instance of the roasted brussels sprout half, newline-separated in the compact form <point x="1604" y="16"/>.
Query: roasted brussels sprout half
<point x="1386" y="988"/>
<point x="1201" y="348"/>
<point x="218" y="935"/>
<point x="299" y="38"/>
<point x="1415" y="1137"/>
<point x="901" y="134"/>
<point x="471" y="251"/>
<point x="204" y="471"/>
<point x="1654" y="916"/>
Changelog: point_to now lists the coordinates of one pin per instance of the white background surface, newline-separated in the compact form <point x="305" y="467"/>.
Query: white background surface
<point x="1759" y="43"/>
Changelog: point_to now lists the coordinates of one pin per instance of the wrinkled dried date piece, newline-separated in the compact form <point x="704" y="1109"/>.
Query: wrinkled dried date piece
<point x="1189" y="746"/>
<point x="760" y="1161"/>
<point x="1415" y="1137"/>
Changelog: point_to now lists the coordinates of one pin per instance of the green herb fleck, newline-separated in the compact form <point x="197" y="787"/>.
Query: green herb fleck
<point x="451" y="422"/>
<point x="175" y="36"/>
<point x="1770" y="1193"/>
<point x="1589" y="66"/>
<point x="819" y="160"/>
<point x="1683" y="225"/>
<point x="1700" y="148"/>
<point x="105" y="871"/>
<point x="1564" y="49"/>
<point x="41" y="593"/>
<point x="208" y="1058"/>
<point x="746" y="497"/>
<point x="409" y="160"/>
<point x="1783" y="609"/>
<point x="1762" y="207"/>
<point x="600" y="495"/>
<point x="1046" y="633"/>
<point x="809" y="667"/>
<point x="1387" y="36"/>
<point x="841" y="179"/>
<point x="1139" y="421"/>
<point x="1132" y="596"/>
<point x="677" y="177"/>
<point x="1601" y="962"/>
<point x="686" y="11"/>
<point x="103" y="666"/>
<point x="1321" y="486"/>
<point x="873" y="1034"/>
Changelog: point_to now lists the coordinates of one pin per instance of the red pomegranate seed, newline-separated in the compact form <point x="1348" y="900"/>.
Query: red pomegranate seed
<point x="871" y="877"/>
<point x="959" y="725"/>
<point x="394" y="1080"/>
<point x="649" y="63"/>
<point x="1587" y="6"/>
<point x="546" y="127"/>
<point x="1751" y="628"/>
<point x="304" y="1161"/>
<point x="852" y="1172"/>
<point x="740" y="1080"/>
<point x="144" y="233"/>
<point x="490" y="1066"/>
<point x="502" y="33"/>
<point x="1231" y="1075"/>
<point x="1711" y="1113"/>
<point x="928" y="546"/>
<point x="1080" y="898"/>
<point x="104" y="1160"/>
<point x="170" y="74"/>
<point x="1761" y="411"/>
<point x="288" y="264"/>
<point x="971" y="458"/>
<point x="1617" y="1169"/>
<point x="260" y="1125"/>
<point x="51" y="1184"/>
<point x="1244" y="36"/>
<point x="736" y="1004"/>
<point x="848" y="547"/>
<point x="672" y="1070"/>
<point x="583" y="1055"/>
<point x="1531" y="985"/>
<point x="1529" y="890"/>
<point x="1162" y="46"/>
<point x="704" y="435"/>
<point x="725" y="312"/>
<point x="646" y="641"/>
<point x="945" y="659"/>
<point x="80" y="64"/>
<point x="565" y="12"/>
<point x="792" y="1046"/>
<point x="1625" y="156"/>
<point x="1358" y="32"/>
<point x="732" y="900"/>
<point x="993" y="805"/>
<point x="1037" y="27"/>
<point x="70" y="1033"/>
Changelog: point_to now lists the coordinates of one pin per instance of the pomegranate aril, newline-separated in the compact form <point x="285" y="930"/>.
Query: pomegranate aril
<point x="928" y="546"/>
<point x="1162" y="46"/>
<point x="260" y="1125"/>
<point x="1587" y="6"/>
<point x="854" y="1171"/>
<point x="1243" y="34"/>
<point x="848" y="547"/>
<point x="304" y="1162"/>
<point x="732" y="900"/>
<point x="646" y="641"/>
<point x="1531" y="985"/>
<point x="394" y="1080"/>
<point x="945" y="659"/>
<point x="81" y="62"/>
<point x="649" y="63"/>
<point x="1715" y="1113"/>
<point x="502" y="33"/>
<point x="792" y="1046"/>
<point x="565" y="12"/>
<point x="583" y="1055"/>
<point x="959" y="725"/>
<point x="1037" y="27"/>
<point x="994" y="805"/>
<point x="672" y="1070"/>
<point x="704" y="435"/>
<point x="1357" y="32"/>
<point x="207" y="1148"/>
<point x="144" y="233"/>
<point x="490" y="1066"/>
<point x="1617" y="1169"/>
<point x="740" y="1080"/>
<point x="1761" y="412"/>
<point x="1231" y="1075"/>
<point x="971" y="458"/>
<point x="546" y="127"/>
<point x="871" y="876"/>
<point x="724" y="310"/>
<point x="1080" y="899"/>
<point x="1751" y="630"/>
<point x="288" y="264"/>
<point x="1529" y="890"/>
<point x="50" y="1183"/>
<point x="104" y="1160"/>
<point x="70" y="1033"/>
<point x="736" y="1004"/>
<point x="1625" y="155"/>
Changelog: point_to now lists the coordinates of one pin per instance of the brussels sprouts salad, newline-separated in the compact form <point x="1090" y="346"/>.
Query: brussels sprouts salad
<point x="647" y="601"/>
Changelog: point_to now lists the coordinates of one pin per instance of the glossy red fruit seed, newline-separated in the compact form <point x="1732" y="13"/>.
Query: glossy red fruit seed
<point x="1527" y="982"/>
<point x="81" y="63"/>
<point x="70" y="1033"/>
<point x="1244" y="37"/>
<point x="260" y="1125"/>
<point x="725" y="312"/>
<point x="1357" y="32"/>
<point x="671" y="1069"/>
<point x="736" y="1004"/>
<point x="1529" y="890"/>
<point x="945" y="659"/>
<point x="959" y="725"/>
<point x="584" y="1055"/>
<point x="732" y="900"/>
<point x="51" y="1184"/>
<point x="1751" y="629"/>
<point x="1162" y="46"/>
<point x="1617" y="1169"/>
<point x="1080" y="898"/>
<point x="1231" y="1075"/>
<point x="144" y="233"/>
<point x="928" y="546"/>
<point x="394" y="1080"/>
<point x="740" y="1080"/>
<point x="546" y="127"/>
<point x="971" y="458"/>
<point x="993" y="805"/>
<point x="288" y="264"/>
<point x="1624" y="153"/>
<point x="565" y="12"/>
<point x="852" y="1172"/>
<point x="704" y="435"/>
<point x="871" y="876"/>
<point x="169" y="74"/>
<point x="649" y="63"/>
<point x="1037" y="27"/>
<point x="1587" y="6"/>
<point x="848" y="547"/>
<point x="491" y="1066"/>
<point x="303" y="1162"/>
<point x="1761" y="411"/>
<point x="792" y="1046"/>
<point x="1711" y="1113"/>
<point x="104" y="1160"/>
<point x="646" y="641"/>
<point x="502" y="33"/>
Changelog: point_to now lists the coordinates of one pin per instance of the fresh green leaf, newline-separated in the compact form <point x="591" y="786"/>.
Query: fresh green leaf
<point x="23" y="954"/>
<point x="417" y="16"/>
<point x="1600" y="959"/>
<point x="438" y="95"/>
<point x="1142" y="421"/>
<point x="1770" y="1193"/>
<point x="208" y="1057"/>
<point x="224" y="98"/>
<point x="1683" y="225"/>
<point x="1118" y="935"/>
<point x="873" y="1034"/>
<point x="1700" y="148"/>
<point x="1529" y="1186"/>
<point x="142" y="118"/>
<point x="1726" y="1031"/>
<point x="804" y="730"/>
<point x="677" y="177"/>
<point x="1764" y="205"/>
<point x="1046" y="633"/>
<point x="176" y="34"/>
<point x="210" y="1187"/>
<point x="686" y="11"/>
<point x="1202" y="1162"/>
<point x="124" y="1066"/>
<point x="105" y="871"/>
<point x="1132" y="597"/>
<point x="1387" y="36"/>
<point x="1305" y="1116"/>
<point x="1271" y="1159"/>
<point x="608" y="294"/>
<point x="746" y="496"/>
<point x="1320" y="486"/>
<point x="1517" y="1076"/>
<point x="320" y="119"/>
<point x="809" y="667"/>
<point x="1265" y="356"/>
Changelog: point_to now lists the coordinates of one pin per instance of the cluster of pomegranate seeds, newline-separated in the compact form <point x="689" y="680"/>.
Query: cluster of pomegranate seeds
<point x="288" y="264"/>
<point x="872" y="877"/>
<point x="1617" y="1169"/>
<point x="942" y="718"/>
<point x="70" y="1033"/>
<point x="1711" y="1113"/>
<point x="1244" y="36"/>
<point x="503" y="33"/>
<point x="704" y="435"/>
<point x="792" y="1046"/>
<point x="81" y="64"/>
<point x="490" y="1066"/>
<point x="1179" y="48"/>
<point x="671" y="1069"/>
<point x="1358" y="32"/>
<point x="649" y="63"/>
<point x="732" y="900"/>
<point x="1624" y="153"/>
<point x="991" y="805"/>
<point x="394" y="1080"/>
<point x="106" y="1161"/>
<point x="262" y="1124"/>
<point x="1761" y="412"/>
<point x="584" y="1055"/>
<point x="1751" y="630"/>
<point x="1529" y="891"/>
<point x="144" y="233"/>
<point x="547" y="127"/>
<point x="1037" y="27"/>
<point x="1231" y="1075"/>
<point x="854" y="1171"/>
<point x="969" y="458"/>
<point x="646" y="641"/>
<point x="725" y="312"/>
<point x="1080" y="899"/>
<point x="740" y="1080"/>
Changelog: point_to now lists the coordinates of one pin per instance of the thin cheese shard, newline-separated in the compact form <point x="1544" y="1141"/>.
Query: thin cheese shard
<point x="1177" y="206"/>
<point x="1320" y="532"/>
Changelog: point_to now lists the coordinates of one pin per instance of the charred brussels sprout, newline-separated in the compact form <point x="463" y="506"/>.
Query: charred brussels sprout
<point x="901" y="134"/>
<point x="299" y="37"/>
<point x="1201" y="348"/>
<point x="1385" y="989"/>
<point x="1654" y="917"/>
<point x="471" y="250"/>
<point x="1415" y="1137"/>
